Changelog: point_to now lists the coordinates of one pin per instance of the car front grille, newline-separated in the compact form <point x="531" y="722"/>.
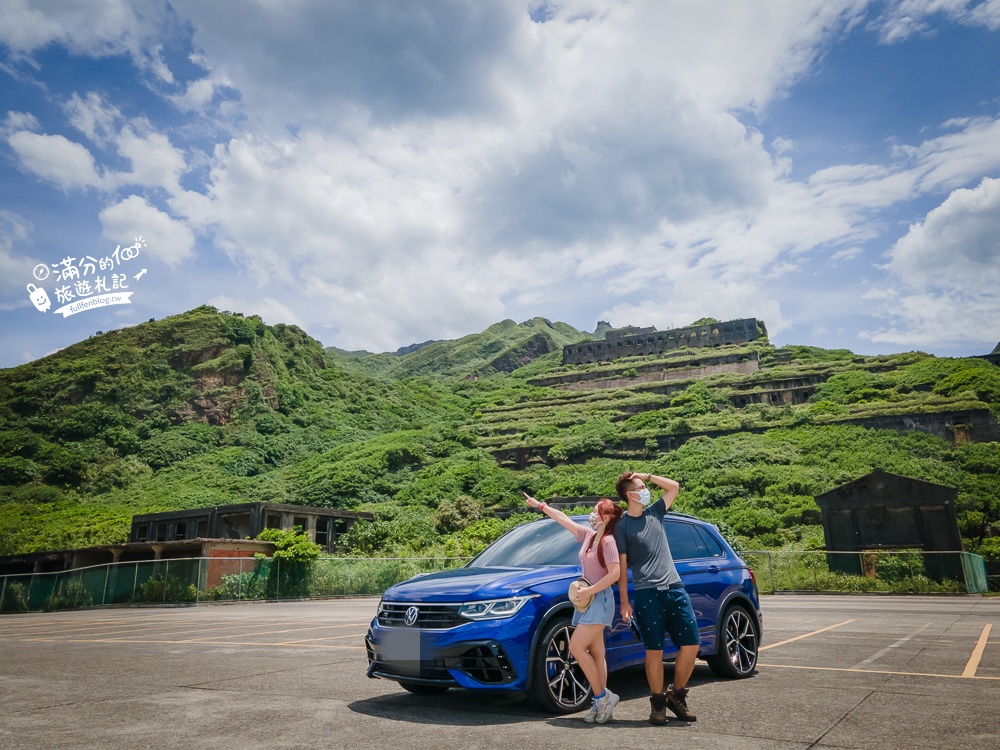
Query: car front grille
<point x="429" y="616"/>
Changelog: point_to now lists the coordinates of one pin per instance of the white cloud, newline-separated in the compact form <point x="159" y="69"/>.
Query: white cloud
<point x="55" y="158"/>
<point x="957" y="245"/>
<point x="19" y="121"/>
<point x="952" y="160"/>
<point x="269" y="309"/>
<point x="387" y="58"/>
<point x="93" y="117"/>
<point x="428" y="292"/>
<point x="946" y="273"/>
<point x="166" y="238"/>
<point x="96" y="28"/>
<point x="15" y="269"/>
<point x="197" y="95"/>
<point x="402" y="173"/>
<point x="849" y="253"/>
<point x="698" y="296"/>
<point x="907" y="18"/>
<point x="155" y="162"/>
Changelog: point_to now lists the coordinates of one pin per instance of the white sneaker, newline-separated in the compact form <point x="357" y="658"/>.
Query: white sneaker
<point x="591" y="716"/>
<point x="605" y="707"/>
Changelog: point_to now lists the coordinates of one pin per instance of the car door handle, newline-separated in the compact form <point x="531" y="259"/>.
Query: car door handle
<point x="714" y="568"/>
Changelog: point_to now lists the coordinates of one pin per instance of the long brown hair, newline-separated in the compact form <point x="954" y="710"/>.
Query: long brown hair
<point x="606" y="507"/>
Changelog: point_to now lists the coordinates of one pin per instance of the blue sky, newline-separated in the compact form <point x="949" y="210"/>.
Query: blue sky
<point x="381" y="173"/>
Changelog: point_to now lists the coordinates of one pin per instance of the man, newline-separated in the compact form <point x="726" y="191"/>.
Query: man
<point x="661" y="603"/>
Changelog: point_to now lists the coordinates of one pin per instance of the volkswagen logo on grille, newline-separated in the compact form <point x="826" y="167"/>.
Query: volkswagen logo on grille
<point x="411" y="615"/>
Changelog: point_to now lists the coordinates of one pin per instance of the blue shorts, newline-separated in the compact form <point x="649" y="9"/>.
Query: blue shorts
<point x="662" y="611"/>
<point x="600" y="612"/>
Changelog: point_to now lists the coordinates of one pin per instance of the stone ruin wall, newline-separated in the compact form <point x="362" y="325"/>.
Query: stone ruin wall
<point x="970" y="426"/>
<point x="744" y="367"/>
<point x="632" y="342"/>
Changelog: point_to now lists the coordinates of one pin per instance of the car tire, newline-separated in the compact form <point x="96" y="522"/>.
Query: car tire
<point x="418" y="688"/>
<point x="558" y="684"/>
<point x="739" y="644"/>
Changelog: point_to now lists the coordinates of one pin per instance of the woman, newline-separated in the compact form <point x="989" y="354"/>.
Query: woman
<point x="599" y="560"/>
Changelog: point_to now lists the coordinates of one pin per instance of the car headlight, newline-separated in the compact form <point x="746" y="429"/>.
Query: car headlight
<point x="494" y="609"/>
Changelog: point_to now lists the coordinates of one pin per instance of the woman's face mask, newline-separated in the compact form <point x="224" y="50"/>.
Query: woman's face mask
<point x="643" y="495"/>
<point x="595" y="519"/>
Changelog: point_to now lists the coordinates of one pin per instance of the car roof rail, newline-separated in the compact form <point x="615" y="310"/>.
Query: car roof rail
<point x="685" y="515"/>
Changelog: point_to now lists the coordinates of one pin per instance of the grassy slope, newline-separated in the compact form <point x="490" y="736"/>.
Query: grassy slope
<point x="209" y="408"/>
<point x="475" y="354"/>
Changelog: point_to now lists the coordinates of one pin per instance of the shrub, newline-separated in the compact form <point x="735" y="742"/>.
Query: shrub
<point x="160" y="589"/>
<point x="365" y="538"/>
<point x="697" y="399"/>
<point x="457" y="514"/>
<point x="70" y="595"/>
<point x="249" y="585"/>
<point x="18" y="470"/>
<point x="294" y="555"/>
<point x="15" y="598"/>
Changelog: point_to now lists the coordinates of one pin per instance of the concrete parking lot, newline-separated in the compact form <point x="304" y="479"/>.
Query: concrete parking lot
<point x="835" y="671"/>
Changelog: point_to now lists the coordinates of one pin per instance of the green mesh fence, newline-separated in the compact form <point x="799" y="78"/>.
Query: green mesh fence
<point x="208" y="579"/>
<point x="243" y="579"/>
<point x="883" y="571"/>
<point x="974" y="570"/>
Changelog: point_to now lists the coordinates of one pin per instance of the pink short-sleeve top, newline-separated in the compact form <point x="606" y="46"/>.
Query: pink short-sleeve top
<point x="593" y="571"/>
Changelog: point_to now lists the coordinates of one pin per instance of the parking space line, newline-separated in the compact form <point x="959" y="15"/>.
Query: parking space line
<point x="278" y="632"/>
<point x="156" y="630"/>
<point x="977" y="652"/>
<point x="127" y="631"/>
<point x="879" y="654"/>
<point x="877" y="671"/>
<point x="804" y="635"/>
<point x="936" y="641"/>
<point x="222" y="643"/>
<point x="36" y="628"/>
<point x="327" y="638"/>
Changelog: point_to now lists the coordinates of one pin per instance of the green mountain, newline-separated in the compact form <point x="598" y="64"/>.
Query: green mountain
<point x="211" y="408"/>
<point x="501" y="348"/>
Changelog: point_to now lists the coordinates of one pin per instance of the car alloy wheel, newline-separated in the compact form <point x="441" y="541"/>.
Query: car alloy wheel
<point x="558" y="683"/>
<point x="737" y="655"/>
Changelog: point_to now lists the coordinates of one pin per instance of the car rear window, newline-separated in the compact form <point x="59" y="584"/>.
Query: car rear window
<point x="688" y="542"/>
<point x="714" y="548"/>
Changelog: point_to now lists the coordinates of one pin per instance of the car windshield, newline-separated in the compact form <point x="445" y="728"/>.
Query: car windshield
<point x="530" y="546"/>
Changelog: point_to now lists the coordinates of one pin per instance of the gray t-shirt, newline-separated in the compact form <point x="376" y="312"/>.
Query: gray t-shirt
<point x="644" y="542"/>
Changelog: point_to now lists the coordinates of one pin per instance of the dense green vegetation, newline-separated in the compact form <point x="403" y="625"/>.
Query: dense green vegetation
<point x="211" y="408"/>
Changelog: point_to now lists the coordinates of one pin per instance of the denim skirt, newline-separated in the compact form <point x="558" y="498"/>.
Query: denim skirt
<point x="600" y="612"/>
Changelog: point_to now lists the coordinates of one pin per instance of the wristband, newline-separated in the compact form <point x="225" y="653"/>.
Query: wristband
<point x="542" y="506"/>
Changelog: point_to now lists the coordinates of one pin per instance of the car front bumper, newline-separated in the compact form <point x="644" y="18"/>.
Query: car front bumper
<point x="476" y="655"/>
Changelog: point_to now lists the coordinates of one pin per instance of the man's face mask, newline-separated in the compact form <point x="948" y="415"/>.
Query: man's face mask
<point x="595" y="519"/>
<point x="643" y="495"/>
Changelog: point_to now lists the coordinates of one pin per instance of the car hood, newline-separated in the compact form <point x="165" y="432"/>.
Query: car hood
<point x="473" y="584"/>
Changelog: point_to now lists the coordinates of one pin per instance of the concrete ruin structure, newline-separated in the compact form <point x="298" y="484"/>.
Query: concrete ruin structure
<point x="632" y="342"/>
<point x="244" y="521"/>
<point x="222" y="532"/>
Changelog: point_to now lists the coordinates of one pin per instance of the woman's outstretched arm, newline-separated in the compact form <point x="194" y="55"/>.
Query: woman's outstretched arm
<point x="554" y="513"/>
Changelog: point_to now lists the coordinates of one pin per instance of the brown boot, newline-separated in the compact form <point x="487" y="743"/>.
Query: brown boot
<point x="677" y="703"/>
<point x="658" y="709"/>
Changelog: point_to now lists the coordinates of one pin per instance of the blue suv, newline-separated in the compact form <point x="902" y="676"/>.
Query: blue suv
<point x="503" y="621"/>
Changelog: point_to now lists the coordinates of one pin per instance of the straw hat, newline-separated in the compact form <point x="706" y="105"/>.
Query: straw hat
<point x="580" y="602"/>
